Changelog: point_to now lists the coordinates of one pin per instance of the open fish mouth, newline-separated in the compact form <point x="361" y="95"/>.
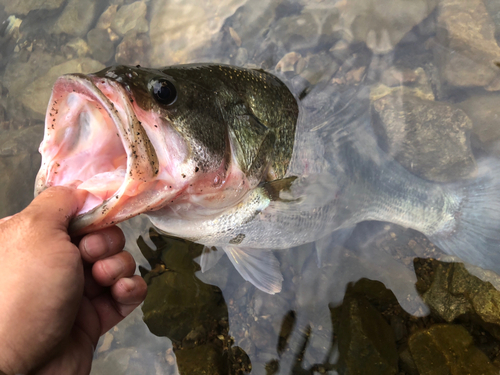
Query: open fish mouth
<point x="94" y="141"/>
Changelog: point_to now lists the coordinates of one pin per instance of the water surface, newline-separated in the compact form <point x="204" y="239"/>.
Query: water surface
<point x="428" y="68"/>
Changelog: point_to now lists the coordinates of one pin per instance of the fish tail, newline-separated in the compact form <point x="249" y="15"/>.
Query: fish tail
<point x="473" y="230"/>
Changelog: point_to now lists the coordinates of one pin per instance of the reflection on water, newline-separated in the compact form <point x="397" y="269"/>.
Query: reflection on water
<point x="376" y="304"/>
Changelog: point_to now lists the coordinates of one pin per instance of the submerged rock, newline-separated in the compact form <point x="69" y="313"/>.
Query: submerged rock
<point x="428" y="138"/>
<point x="189" y="312"/>
<point x="15" y="115"/>
<point x="10" y="28"/>
<point x="381" y="24"/>
<point x="454" y="293"/>
<point x="493" y="8"/>
<point x="36" y="95"/>
<point x="484" y="111"/>
<point x="20" y="73"/>
<point x="370" y="324"/>
<point x="2" y="113"/>
<point x="130" y="17"/>
<point x="76" y="18"/>
<point x="403" y="81"/>
<point x="133" y="49"/>
<point x="177" y="301"/>
<point x="192" y="27"/>
<point x="213" y="362"/>
<point x="312" y="27"/>
<point x="406" y="362"/>
<point x="18" y="152"/>
<point x="318" y="68"/>
<point x="444" y="304"/>
<point x="448" y="349"/>
<point x="76" y="47"/>
<point x="106" y="18"/>
<point x="23" y="7"/>
<point x="101" y="47"/>
<point x="467" y="30"/>
<point x="245" y="28"/>
<point x="365" y="339"/>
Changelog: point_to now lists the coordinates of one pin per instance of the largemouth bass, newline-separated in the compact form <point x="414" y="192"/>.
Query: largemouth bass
<point x="232" y="159"/>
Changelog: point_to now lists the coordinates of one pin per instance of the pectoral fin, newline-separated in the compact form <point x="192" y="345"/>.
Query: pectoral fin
<point x="209" y="257"/>
<point x="260" y="267"/>
<point x="275" y="187"/>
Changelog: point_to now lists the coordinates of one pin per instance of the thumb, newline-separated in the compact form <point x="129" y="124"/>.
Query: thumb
<point x="3" y="220"/>
<point x="56" y="206"/>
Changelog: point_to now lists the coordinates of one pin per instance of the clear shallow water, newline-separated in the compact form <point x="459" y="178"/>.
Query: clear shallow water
<point x="429" y="70"/>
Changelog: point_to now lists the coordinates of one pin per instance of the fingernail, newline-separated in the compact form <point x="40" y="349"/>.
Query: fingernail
<point x="96" y="245"/>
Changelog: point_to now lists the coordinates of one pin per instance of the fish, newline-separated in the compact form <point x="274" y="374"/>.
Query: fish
<point x="245" y="162"/>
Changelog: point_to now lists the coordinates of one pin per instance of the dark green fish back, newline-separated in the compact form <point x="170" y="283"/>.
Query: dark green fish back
<point x="219" y="104"/>
<point x="259" y="110"/>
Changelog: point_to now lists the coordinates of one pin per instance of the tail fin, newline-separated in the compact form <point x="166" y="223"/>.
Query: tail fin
<point x="474" y="232"/>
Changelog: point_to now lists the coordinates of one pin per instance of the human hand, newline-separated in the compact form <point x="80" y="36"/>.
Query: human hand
<point x="57" y="298"/>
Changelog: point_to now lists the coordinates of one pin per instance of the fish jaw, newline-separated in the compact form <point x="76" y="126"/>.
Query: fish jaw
<point x="93" y="140"/>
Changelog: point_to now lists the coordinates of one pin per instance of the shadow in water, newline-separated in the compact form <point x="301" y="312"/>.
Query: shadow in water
<point x="191" y="313"/>
<point x="287" y="327"/>
<point x="372" y="333"/>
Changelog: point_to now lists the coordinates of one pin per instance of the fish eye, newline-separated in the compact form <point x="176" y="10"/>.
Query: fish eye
<point x="164" y="92"/>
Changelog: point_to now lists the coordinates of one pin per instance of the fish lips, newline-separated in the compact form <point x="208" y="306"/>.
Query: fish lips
<point x="106" y="101"/>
